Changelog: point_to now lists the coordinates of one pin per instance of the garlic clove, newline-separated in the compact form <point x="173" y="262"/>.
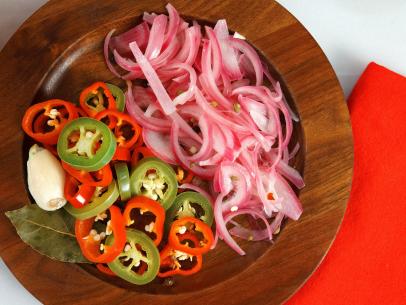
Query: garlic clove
<point x="46" y="179"/>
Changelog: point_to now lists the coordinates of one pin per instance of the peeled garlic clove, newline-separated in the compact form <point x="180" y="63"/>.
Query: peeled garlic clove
<point x="46" y="179"/>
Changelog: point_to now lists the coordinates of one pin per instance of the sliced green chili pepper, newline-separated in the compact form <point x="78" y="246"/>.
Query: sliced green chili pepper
<point x="118" y="96"/>
<point x="123" y="180"/>
<point x="139" y="262"/>
<point x="154" y="179"/>
<point x="102" y="199"/>
<point x="190" y="204"/>
<point x="87" y="144"/>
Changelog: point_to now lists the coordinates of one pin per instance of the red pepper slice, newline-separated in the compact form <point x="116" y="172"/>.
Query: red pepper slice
<point x="152" y="225"/>
<point x="124" y="127"/>
<point x="77" y="194"/>
<point x="44" y="121"/>
<point x="90" y="245"/>
<point x="139" y="153"/>
<point x="102" y="177"/>
<point x="81" y="113"/>
<point x="122" y="154"/>
<point x="173" y="262"/>
<point x="96" y="98"/>
<point x="105" y="269"/>
<point x="140" y="140"/>
<point x="194" y="226"/>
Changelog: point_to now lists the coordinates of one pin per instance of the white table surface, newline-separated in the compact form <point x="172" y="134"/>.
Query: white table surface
<point x="351" y="33"/>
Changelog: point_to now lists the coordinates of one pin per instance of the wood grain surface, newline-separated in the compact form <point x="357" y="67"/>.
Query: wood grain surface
<point x="58" y="51"/>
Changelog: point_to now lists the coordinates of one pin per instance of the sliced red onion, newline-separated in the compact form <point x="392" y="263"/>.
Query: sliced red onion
<point x="208" y="78"/>
<point x="252" y="55"/>
<point x="257" y="111"/>
<point x="139" y="33"/>
<point x="227" y="89"/>
<point x="276" y="223"/>
<point x="234" y="183"/>
<point x="187" y="39"/>
<point x="158" y="143"/>
<point x="126" y="63"/>
<point x="194" y="49"/>
<point x="206" y="131"/>
<point x="228" y="53"/>
<point x="294" y="151"/>
<point x="134" y="68"/>
<point x="221" y="229"/>
<point x="162" y="96"/>
<point x="206" y="173"/>
<point x="273" y="82"/>
<point x="191" y="44"/>
<point x="189" y="93"/>
<point x="291" y="174"/>
<point x="213" y="160"/>
<point x="149" y="18"/>
<point x="134" y="110"/>
<point x="203" y="103"/>
<point x="247" y="234"/>
<point x="167" y="55"/>
<point x="106" y="53"/>
<point x="156" y="37"/>
<point x="242" y="147"/>
<point x="240" y="83"/>
<point x="216" y="58"/>
<point x="219" y="139"/>
<point x="206" y="146"/>
<point x="285" y="155"/>
<point x="291" y="206"/>
<point x="286" y="200"/>
<point x="179" y="121"/>
<point x="151" y="109"/>
<point x="174" y="22"/>
<point x="218" y="146"/>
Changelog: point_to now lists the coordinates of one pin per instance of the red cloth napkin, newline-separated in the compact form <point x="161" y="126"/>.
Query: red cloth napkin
<point x="367" y="262"/>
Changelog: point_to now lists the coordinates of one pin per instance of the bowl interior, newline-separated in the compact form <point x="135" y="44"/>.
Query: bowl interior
<point x="81" y="64"/>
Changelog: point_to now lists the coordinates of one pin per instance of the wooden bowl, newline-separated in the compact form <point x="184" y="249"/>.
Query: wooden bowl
<point x="58" y="51"/>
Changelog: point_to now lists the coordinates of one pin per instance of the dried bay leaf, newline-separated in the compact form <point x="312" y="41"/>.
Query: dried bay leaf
<point x="50" y="233"/>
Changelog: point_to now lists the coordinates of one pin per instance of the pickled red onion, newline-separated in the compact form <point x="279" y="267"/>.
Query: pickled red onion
<point x="205" y="107"/>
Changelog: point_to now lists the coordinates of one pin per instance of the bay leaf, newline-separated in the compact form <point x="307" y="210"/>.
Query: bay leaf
<point x="50" y="233"/>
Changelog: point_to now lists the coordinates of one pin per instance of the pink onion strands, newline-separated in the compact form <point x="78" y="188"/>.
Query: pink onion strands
<point x="205" y="107"/>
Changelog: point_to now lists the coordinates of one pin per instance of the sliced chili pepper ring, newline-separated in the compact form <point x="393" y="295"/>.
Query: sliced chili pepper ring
<point x="118" y="95"/>
<point x="122" y="154"/>
<point x="86" y="144"/>
<point x="101" y="200"/>
<point x="190" y="204"/>
<point x="194" y="226"/>
<point x="175" y="262"/>
<point x="156" y="180"/>
<point x="139" y="153"/>
<point x="102" y="177"/>
<point x="123" y="180"/>
<point x="146" y="215"/>
<point x="140" y="141"/>
<point x="76" y="193"/>
<point x="44" y="121"/>
<point x="124" y="127"/>
<point x="139" y="262"/>
<point x="105" y="269"/>
<point x="90" y="242"/>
